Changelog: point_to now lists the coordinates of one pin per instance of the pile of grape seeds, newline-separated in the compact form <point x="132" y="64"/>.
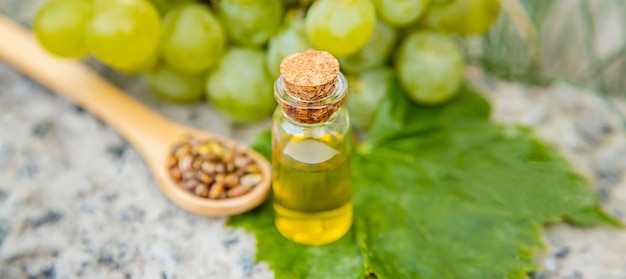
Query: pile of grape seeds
<point x="212" y="170"/>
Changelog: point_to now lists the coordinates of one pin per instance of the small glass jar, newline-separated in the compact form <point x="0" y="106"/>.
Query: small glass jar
<point x="311" y="165"/>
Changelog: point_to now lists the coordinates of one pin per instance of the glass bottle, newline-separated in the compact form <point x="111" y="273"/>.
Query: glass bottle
<point x="311" y="162"/>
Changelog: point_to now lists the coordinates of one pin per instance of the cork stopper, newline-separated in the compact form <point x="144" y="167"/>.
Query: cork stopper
<point x="311" y="87"/>
<point x="310" y="75"/>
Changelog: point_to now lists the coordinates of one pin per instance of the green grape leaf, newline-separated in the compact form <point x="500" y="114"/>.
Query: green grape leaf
<point x="439" y="192"/>
<point x="263" y="144"/>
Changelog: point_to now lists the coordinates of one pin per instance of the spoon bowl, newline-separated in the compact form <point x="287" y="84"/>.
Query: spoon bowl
<point x="152" y="135"/>
<point x="204" y="206"/>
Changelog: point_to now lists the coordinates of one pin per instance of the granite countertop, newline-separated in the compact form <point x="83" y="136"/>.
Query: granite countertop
<point x="76" y="201"/>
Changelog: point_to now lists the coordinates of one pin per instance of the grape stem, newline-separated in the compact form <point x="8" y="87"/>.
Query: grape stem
<point x="525" y="28"/>
<point x="210" y="3"/>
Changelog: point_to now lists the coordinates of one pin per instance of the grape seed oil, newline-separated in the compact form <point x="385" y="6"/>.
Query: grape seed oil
<point x="312" y="189"/>
<point x="311" y="151"/>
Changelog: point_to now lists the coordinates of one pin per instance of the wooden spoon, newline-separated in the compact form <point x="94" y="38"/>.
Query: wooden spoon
<point x="151" y="134"/>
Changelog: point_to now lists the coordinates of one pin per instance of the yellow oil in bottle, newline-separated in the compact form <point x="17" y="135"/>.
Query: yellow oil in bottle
<point x="311" y="184"/>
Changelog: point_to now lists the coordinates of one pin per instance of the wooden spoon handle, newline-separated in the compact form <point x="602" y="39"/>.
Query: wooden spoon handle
<point x="139" y="125"/>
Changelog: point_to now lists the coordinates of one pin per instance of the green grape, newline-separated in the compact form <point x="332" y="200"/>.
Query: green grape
<point x="366" y="92"/>
<point x="239" y="86"/>
<point x="143" y="66"/>
<point x="192" y="39"/>
<point x="123" y="33"/>
<point x="401" y="13"/>
<point x="340" y="27"/>
<point x="104" y="4"/>
<point x="291" y="39"/>
<point x="175" y="86"/>
<point x="60" y="27"/>
<point x="165" y="6"/>
<point x="462" y="17"/>
<point x="374" y="53"/>
<point x="250" y="23"/>
<point x="430" y="67"/>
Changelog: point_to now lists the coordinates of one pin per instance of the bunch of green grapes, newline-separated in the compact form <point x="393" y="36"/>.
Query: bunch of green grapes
<point x="228" y="52"/>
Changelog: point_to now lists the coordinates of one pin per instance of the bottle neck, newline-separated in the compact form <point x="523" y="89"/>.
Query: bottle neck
<point x="311" y="112"/>
<point x="334" y="117"/>
<point x="337" y="124"/>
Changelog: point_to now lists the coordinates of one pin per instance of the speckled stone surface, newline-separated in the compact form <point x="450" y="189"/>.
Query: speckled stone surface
<point x="76" y="201"/>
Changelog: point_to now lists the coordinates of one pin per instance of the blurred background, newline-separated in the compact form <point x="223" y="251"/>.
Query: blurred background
<point x="580" y="41"/>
